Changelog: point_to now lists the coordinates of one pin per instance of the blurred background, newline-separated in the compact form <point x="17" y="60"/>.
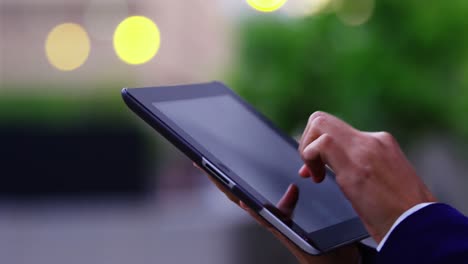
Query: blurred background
<point x="83" y="180"/>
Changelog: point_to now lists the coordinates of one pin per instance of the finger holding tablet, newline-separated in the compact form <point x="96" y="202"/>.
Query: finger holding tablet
<point x="286" y="205"/>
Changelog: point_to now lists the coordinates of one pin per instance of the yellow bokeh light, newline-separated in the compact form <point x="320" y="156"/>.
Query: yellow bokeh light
<point x="136" y="40"/>
<point x="266" y="5"/>
<point x="67" y="46"/>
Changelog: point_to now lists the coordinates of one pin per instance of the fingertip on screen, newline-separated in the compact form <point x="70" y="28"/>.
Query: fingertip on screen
<point x="304" y="172"/>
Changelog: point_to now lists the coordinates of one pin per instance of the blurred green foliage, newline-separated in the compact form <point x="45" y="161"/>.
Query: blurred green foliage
<point x="404" y="71"/>
<point x="57" y="105"/>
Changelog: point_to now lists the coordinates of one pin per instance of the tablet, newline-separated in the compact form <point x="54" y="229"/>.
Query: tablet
<point x="249" y="155"/>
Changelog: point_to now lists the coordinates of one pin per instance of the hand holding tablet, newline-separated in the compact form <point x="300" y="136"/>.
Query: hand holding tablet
<point x="254" y="162"/>
<point x="253" y="159"/>
<point x="370" y="168"/>
<point x="347" y="254"/>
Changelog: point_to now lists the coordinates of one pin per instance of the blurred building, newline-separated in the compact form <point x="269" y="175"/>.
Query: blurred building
<point x="76" y="210"/>
<point x="195" y="42"/>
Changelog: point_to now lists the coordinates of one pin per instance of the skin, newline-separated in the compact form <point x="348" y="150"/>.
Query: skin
<point x="371" y="170"/>
<point x="347" y="254"/>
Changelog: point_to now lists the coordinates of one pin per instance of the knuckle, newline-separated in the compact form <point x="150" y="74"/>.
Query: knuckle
<point x="326" y="141"/>
<point x="370" y="142"/>
<point x="385" y="138"/>
<point x="318" y="122"/>
<point x="309" y="153"/>
<point x="364" y="172"/>
<point x="306" y="155"/>
<point x="374" y="143"/>
<point x="315" y="115"/>
<point x="303" y="155"/>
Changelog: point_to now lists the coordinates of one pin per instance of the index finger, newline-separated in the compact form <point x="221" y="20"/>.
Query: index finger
<point x="323" y="123"/>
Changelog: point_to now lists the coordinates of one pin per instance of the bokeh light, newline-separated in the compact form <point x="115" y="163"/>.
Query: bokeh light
<point x="67" y="46"/>
<point x="306" y="7"/>
<point x="354" y="12"/>
<point x="136" y="40"/>
<point x="266" y="5"/>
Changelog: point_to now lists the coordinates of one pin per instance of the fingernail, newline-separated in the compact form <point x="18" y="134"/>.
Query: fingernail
<point x="243" y="205"/>
<point x="301" y="170"/>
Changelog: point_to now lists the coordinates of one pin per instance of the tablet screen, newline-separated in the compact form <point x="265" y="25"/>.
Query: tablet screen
<point x="259" y="156"/>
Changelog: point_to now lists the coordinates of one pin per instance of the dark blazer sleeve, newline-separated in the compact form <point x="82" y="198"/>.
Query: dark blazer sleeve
<point x="435" y="234"/>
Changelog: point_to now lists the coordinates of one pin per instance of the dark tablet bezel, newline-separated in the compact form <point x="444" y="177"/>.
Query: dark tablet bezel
<point x="141" y="101"/>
